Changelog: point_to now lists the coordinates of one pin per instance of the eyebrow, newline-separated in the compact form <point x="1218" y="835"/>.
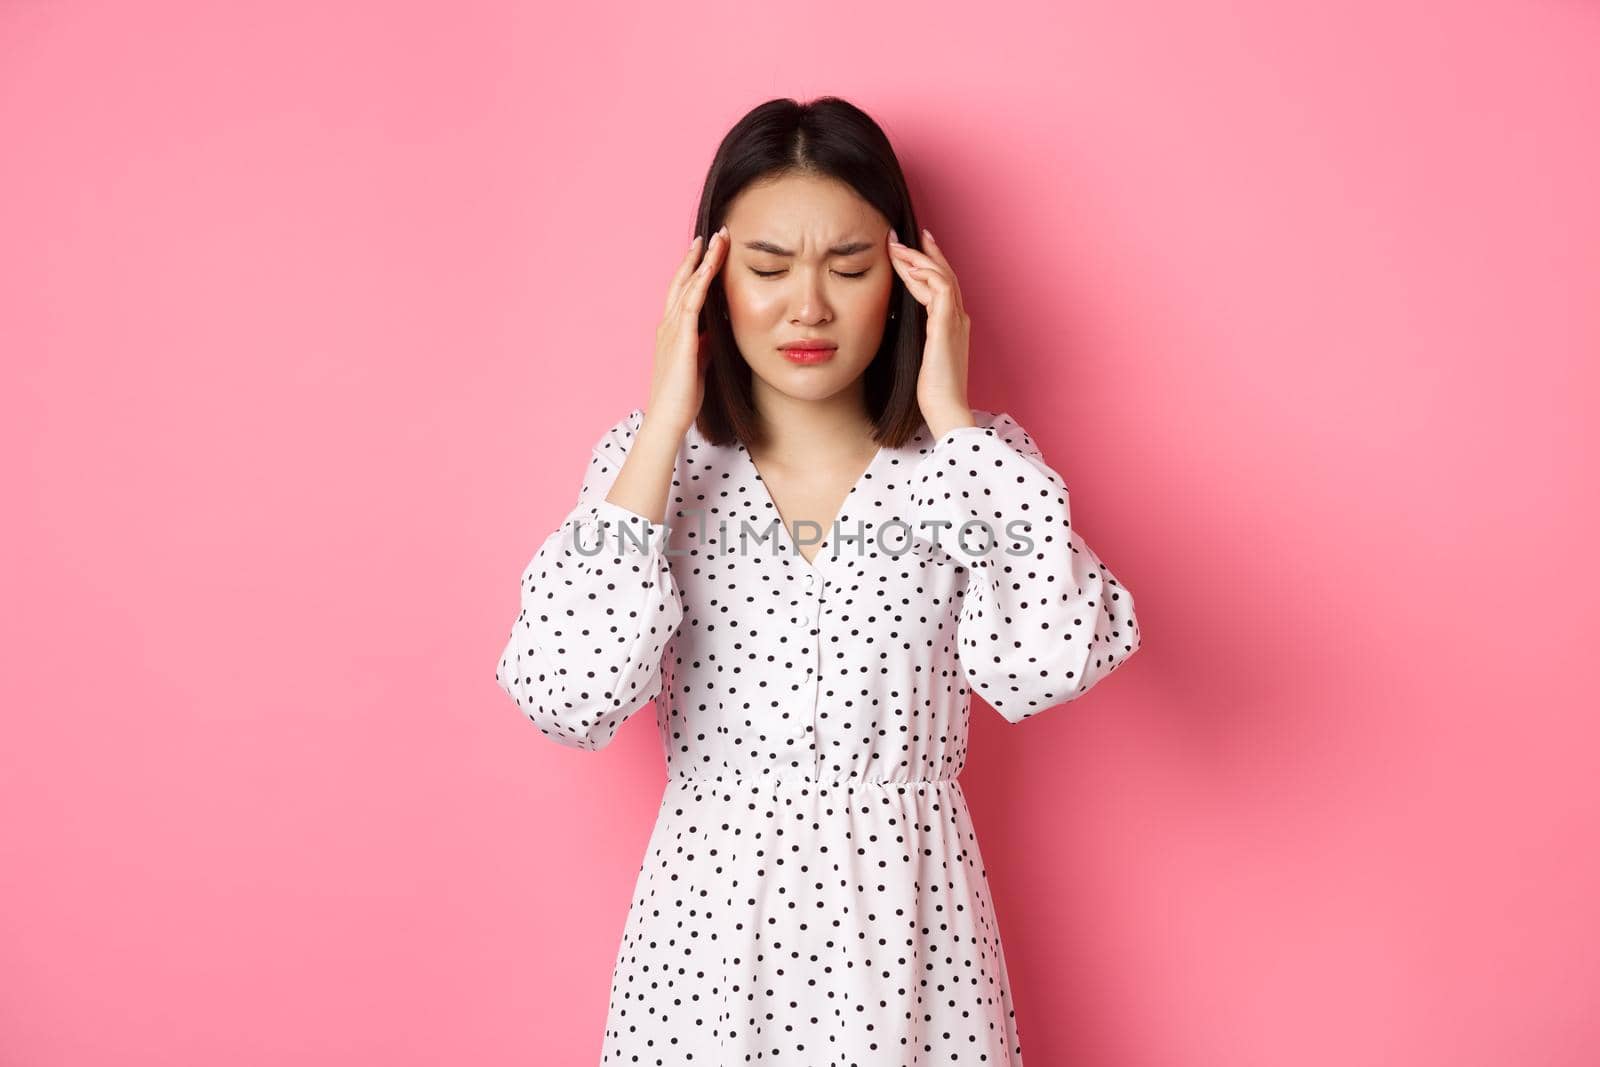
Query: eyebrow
<point x="848" y="249"/>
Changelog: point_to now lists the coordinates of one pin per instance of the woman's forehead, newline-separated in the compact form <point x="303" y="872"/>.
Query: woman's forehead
<point x="819" y="211"/>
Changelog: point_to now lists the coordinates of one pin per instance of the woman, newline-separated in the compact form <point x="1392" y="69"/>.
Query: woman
<point x="812" y="623"/>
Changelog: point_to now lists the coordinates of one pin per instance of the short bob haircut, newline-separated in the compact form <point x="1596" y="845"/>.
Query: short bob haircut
<point x="825" y="137"/>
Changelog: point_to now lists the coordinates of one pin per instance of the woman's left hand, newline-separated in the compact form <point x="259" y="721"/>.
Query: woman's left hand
<point x="942" y="381"/>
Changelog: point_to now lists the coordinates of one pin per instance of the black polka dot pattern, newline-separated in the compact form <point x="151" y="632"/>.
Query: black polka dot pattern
<point x="813" y="891"/>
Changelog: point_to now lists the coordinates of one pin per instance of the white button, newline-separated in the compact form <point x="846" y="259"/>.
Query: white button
<point x="811" y="581"/>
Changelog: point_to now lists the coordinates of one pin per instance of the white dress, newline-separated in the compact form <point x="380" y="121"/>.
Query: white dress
<point x="813" y="892"/>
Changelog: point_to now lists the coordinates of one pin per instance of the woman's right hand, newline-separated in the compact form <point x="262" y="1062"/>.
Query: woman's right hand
<point x="678" y="385"/>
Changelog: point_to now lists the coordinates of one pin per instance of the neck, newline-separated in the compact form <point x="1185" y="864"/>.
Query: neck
<point x="800" y="431"/>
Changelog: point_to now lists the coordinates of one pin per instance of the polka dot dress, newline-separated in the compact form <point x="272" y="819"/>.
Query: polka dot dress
<point x="813" y="892"/>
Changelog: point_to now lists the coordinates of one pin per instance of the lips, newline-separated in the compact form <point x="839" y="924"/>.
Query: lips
<point x="808" y="351"/>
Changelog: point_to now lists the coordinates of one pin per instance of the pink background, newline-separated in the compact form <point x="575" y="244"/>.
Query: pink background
<point x="310" y="313"/>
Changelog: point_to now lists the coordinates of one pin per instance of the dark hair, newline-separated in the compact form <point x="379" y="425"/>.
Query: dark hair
<point x="825" y="137"/>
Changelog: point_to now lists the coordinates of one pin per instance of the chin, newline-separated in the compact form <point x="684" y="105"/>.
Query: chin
<point x="807" y="383"/>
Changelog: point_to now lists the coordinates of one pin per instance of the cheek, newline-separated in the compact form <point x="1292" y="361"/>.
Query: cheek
<point x="869" y="301"/>
<point x="882" y="290"/>
<point x="751" y="302"/>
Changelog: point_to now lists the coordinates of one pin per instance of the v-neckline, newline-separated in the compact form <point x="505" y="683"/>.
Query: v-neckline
<point x="811" y="565"/>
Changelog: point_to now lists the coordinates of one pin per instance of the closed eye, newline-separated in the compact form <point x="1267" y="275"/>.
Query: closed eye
<point x="775" y="273"/>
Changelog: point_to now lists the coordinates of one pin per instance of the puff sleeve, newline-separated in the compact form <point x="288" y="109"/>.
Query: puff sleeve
<point x="1042" y="619"/>
<point x="599" y="606"/>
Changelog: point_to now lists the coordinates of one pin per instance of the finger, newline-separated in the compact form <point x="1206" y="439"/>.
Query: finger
<point x="928" y="273"/>
<point x="925" y="268"/>
<point x="938" y="254"/>
<point x="931" y="246"/>
<point x="686" y="267"/>
<point x="694" y="293"/>
<point x="943" y="290"/>
<point x="905" y="256"/>
<point x="912" y="256"/>
<point x="684" y="297"/>
<point x="915" y="285"/>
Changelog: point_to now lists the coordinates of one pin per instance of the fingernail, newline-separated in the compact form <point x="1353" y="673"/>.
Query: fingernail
<point x="927" y="233"/>
<point x="894" y="238"/>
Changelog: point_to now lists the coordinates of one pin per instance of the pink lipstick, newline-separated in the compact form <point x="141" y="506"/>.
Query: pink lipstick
<point x="808" y="352"/>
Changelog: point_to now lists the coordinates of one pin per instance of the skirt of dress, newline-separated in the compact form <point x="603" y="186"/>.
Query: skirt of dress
<point x="819" y="924"/>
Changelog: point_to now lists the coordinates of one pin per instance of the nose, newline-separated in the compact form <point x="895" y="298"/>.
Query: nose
<point x="812" y="308"/>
